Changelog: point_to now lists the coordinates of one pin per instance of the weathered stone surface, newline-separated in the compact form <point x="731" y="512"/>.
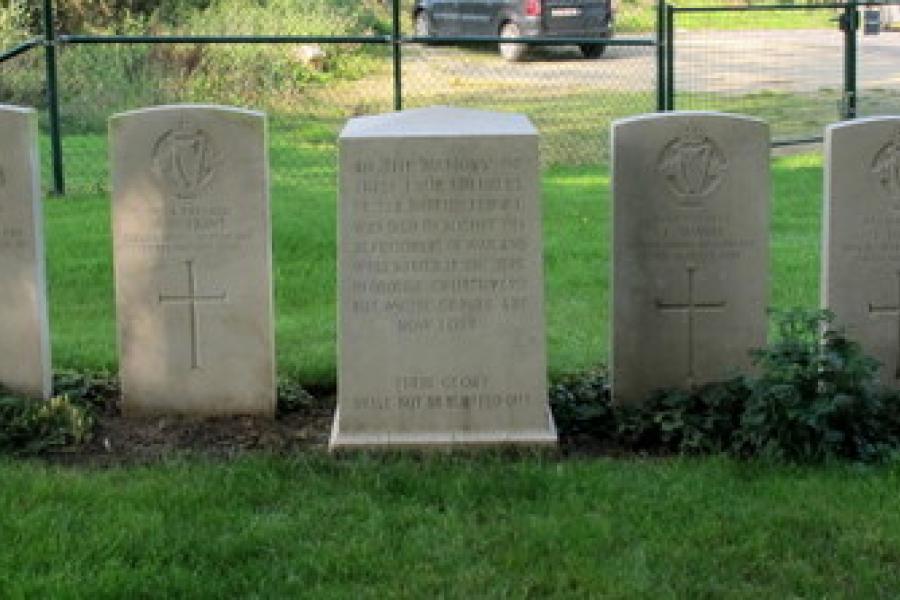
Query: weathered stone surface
<point x="193" y="262"/>
<point x="690" y="251"/>
<point x="861" y="244"/>
<point x="441" y="305"/>
<point x="24" y="332"/>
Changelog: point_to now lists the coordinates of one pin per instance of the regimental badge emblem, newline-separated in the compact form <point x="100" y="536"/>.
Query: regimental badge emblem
<point x="185" y="160"/>
<point x="693" y="166"/>
<point x="886" y="165"/>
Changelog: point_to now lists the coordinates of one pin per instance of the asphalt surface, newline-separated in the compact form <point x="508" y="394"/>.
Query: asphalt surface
<point x="705" y="61"/>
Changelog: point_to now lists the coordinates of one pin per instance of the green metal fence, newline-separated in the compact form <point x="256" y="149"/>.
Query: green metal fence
<point x="572" y="101"/>
<point x="798" y="66"/>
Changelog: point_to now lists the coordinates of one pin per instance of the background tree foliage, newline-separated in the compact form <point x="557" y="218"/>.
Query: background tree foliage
<point x="92" y="16"/>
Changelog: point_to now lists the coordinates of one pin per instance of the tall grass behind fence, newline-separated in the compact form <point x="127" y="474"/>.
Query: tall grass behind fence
<point x="317" y="87"/>
<point x="305" y="111"/>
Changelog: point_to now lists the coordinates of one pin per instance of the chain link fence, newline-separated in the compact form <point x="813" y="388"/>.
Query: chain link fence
<point x="794" y="66"/>
<point x="878" y="61"/>
<point x="571" y="101"/>
<point x="310" y="88"/>
<point x="783" y="66"/>
<point x="786" y="64"/>
<point x="305" y="116"/>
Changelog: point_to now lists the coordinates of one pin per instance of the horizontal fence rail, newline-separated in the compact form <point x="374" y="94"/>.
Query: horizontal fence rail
<point x="21" y="49"/>
<point x="222" y="39"/>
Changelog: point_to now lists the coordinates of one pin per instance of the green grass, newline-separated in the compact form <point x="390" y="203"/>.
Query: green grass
<point x="640" y="16"/>
<point x="315" y="527"/>
<point x="576" y="231"/>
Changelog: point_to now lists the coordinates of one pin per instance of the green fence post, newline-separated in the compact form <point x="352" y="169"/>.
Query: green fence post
<point x="850" y="25"/>
<point x="670" y="57"/>
<point x="59" y="181"/>
<point x="398" y="58"/>
<point x="661" y="55"/>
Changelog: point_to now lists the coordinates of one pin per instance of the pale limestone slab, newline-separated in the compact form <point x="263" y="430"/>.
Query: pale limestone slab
<point x="24" y="329"/>
<point x="691" y="198"/>
<point x="193" y="260"/>
<point x="441" y="288"/>
<point x="861" y="241"/>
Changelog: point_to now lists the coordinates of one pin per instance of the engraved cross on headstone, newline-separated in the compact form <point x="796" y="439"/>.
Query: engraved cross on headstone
<point x="893" y="311"/>
<point x="691" y="308"/>
<point x="192" y="299"/>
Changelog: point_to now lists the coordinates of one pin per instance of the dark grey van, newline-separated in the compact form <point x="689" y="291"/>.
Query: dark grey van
<point x="517" y="18"/>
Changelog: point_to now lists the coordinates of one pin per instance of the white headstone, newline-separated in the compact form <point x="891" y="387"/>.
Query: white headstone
<point x="441" y="337"/>
<point x="861" y="245"/>
<point x="24" y="332"/>
<point x="690" y="251"/>
<point x="193" y="260"/>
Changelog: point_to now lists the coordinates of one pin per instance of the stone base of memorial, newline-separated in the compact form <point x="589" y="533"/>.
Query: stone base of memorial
<point x="441" y="332"/>
<point x="449" y="439"/>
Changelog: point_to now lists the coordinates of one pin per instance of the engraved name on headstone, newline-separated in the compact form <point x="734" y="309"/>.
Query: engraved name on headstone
<point x="192" y="241"/>
<point x="24" y="329"/>
<point x="441" y="336"/>
<point x="861" y="244"/>
<point x="690" y="249"/>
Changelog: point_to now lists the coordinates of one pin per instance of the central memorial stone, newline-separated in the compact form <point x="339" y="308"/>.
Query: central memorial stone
<point x="192" y="242"/>
<point x="24" y="331"/>
<point x="690" y="249"/>
<point x="441" y="286"/>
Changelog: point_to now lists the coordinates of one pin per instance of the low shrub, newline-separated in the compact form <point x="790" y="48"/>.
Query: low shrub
<point x="581" y="406"/>
<point x="703" y="420"/>
<point x="34" y="426"/>
<point x="816" y="397"/>
<point x="292" y="397"/>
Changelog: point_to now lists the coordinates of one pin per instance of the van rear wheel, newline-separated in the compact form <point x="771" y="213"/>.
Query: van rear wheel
<point x="592" y="50"/>
<point x="509" y="51"/>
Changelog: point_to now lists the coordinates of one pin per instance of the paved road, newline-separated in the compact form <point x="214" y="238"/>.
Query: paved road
<point x="711" y="61"/>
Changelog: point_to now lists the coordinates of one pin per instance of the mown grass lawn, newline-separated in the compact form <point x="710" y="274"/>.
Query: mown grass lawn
<point x="455" y="527"/>
<point x="577" y="240"/>
<point x="478" y="526"/>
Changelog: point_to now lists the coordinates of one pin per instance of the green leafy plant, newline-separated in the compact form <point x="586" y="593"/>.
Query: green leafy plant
<point x="292" y="397"/>
<point x="581" y="406"/>
<point x="703" y="420"/>
<point x="817" y="397"/>
<point x="98" y="391"/>
<point x="34" y="426"/>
